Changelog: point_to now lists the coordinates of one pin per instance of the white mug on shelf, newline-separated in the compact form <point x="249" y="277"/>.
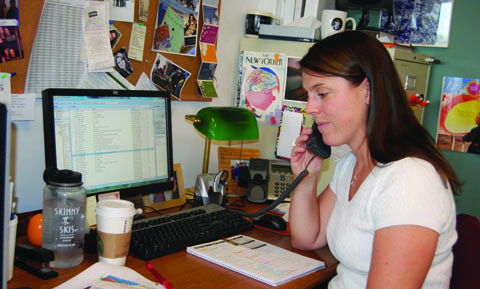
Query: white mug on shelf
<point x="334" y="21"/>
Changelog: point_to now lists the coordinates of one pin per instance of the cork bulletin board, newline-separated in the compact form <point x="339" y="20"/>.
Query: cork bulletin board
<point x="228" y="158"/>
<point x="30" y="13"/>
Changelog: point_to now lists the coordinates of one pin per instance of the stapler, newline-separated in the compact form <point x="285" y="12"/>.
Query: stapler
<point x="34" y="255"/>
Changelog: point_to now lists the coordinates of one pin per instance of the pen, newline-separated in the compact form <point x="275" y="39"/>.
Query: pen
<point x="167" y="284"/>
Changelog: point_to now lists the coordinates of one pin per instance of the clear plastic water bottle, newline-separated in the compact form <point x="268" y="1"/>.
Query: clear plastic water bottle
<point x="64" y="200"/>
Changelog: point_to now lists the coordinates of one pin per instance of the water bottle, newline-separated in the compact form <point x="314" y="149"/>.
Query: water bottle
<point x="64" y="200"/>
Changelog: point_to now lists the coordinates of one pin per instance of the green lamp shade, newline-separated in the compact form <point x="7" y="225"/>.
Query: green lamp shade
<point x="226" y="123"/>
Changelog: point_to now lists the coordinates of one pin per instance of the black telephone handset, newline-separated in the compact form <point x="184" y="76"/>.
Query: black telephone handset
<point x="320" y="149"/>
<point x="316" y="145"/>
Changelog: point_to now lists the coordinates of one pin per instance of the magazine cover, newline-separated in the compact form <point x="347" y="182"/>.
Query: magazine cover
<point x="261" y="81"/>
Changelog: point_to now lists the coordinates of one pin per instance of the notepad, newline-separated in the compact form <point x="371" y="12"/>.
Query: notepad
<point x="256" y="259"/>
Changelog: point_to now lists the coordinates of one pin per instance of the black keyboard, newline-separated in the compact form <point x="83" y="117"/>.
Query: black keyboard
<point x="165" y="234"/>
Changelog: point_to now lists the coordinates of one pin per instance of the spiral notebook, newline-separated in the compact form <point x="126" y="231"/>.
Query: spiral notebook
<point x="256" y="259"/>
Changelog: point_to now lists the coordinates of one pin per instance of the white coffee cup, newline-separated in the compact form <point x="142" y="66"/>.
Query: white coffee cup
<point x="334" y="21"/>
<point x="114" y="229"/>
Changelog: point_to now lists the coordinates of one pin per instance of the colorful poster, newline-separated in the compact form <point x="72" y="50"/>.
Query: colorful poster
<point x="262" y="78"/>
<point x="459" y="112"/>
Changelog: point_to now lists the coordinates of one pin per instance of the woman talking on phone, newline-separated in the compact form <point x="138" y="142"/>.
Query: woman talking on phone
<point x="388" y="214"/>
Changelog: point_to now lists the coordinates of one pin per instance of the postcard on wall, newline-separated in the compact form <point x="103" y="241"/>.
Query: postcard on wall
<point x="9" y="13"/>
<point x="294" y="90"/>
<point x="169" y="76"/>
<point x="261" y="81"/>
<point x="11" y="47"/>
<point x="122" y="10"/>
<point x="459" y="109"/>
<point x="181" y="20"/>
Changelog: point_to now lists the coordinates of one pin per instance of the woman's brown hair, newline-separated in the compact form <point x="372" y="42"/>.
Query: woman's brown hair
<point x="393" y="130"/>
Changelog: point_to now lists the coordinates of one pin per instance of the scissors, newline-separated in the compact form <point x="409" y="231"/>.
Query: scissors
<point x="220" y="181"/>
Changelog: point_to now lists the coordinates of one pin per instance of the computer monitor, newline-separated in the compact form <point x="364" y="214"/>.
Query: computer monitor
<point x="5" y="201"/>
<point x="120" y="140"/>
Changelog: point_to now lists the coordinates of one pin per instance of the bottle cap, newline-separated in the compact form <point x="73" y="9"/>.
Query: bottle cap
<point x="54" y="176"/>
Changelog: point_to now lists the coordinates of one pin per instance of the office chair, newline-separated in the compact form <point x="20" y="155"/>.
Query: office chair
<point x="466" y="254"/>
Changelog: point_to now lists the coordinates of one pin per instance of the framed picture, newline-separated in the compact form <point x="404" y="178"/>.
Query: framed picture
<point x="168" y="199"/>
<point x="233" y="160"/>
<point x="423" y="22"/>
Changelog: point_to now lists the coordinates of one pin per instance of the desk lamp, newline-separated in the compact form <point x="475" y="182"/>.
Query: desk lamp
<point x="223" y="123"/>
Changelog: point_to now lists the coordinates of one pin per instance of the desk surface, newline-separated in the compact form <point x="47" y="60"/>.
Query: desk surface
<point x="187" y="271"/>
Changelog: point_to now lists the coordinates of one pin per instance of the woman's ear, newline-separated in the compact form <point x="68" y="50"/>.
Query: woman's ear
<point x="366" y="86"/>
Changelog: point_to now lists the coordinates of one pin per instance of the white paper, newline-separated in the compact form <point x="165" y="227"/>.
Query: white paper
<point x="121" y="10"/>
<point x="5" y="89"/>
<point x="93" y="273"/>
<point x="55" y="58"/>
<point x="144" y="83"/>
<point x="96" y="39"/>
<point x="105" y="80"/>
<point x="23" y="106"/>
<point x="290" y="130"/>
<point x="137" y="42"/>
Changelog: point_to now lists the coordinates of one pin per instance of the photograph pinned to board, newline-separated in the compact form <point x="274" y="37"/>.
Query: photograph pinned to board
<point x="261" y="82"/>
<point x="143" y="10"/>
<point x="115" y="35"/>
<point x="11" y="47"/>
<point x="122" y="62"/>
<point x="207" y="71"/>
<point x="208" y="53"/>
<point x="181" y="20"/>
<point x="294" y="90"/>
<point x="9" y="13"/>
<point x="169" y="76"/>
<point x="459" y="115"/>
<point x="210" y="13"/>
<point x="168" y="199"/>
<point x="122" y="10"/>
<point x="207" y="88"/>
<point x="162" y="38"/>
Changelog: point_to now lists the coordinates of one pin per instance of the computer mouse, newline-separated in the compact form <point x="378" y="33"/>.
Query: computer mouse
<point x="271" y="221"/>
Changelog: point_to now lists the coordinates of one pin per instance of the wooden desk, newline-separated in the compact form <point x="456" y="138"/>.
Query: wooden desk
<point x="187" y="271"/>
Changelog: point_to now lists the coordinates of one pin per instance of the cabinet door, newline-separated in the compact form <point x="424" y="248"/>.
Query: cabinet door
<point x="414" y="77"/>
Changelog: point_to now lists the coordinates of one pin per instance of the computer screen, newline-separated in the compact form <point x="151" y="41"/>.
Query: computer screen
<point x="5" y="201"/>
<point x="120" y="140"/>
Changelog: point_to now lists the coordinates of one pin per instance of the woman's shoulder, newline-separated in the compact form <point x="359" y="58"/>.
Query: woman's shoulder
<point x="409" y="166"/>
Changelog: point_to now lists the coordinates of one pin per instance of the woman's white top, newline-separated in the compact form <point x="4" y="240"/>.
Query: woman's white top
<point x="404" y="192"/>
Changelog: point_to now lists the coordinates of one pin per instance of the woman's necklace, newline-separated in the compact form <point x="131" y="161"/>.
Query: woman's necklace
<point x="355" y="176"/>
<point x="354" y="180"/>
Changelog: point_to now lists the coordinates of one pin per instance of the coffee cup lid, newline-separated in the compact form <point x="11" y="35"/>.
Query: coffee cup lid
<point x="115" y="208"/>
<point x="260" y="13"/>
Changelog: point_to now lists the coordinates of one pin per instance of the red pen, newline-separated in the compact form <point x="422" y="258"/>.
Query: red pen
<point x="167" y="284"/>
